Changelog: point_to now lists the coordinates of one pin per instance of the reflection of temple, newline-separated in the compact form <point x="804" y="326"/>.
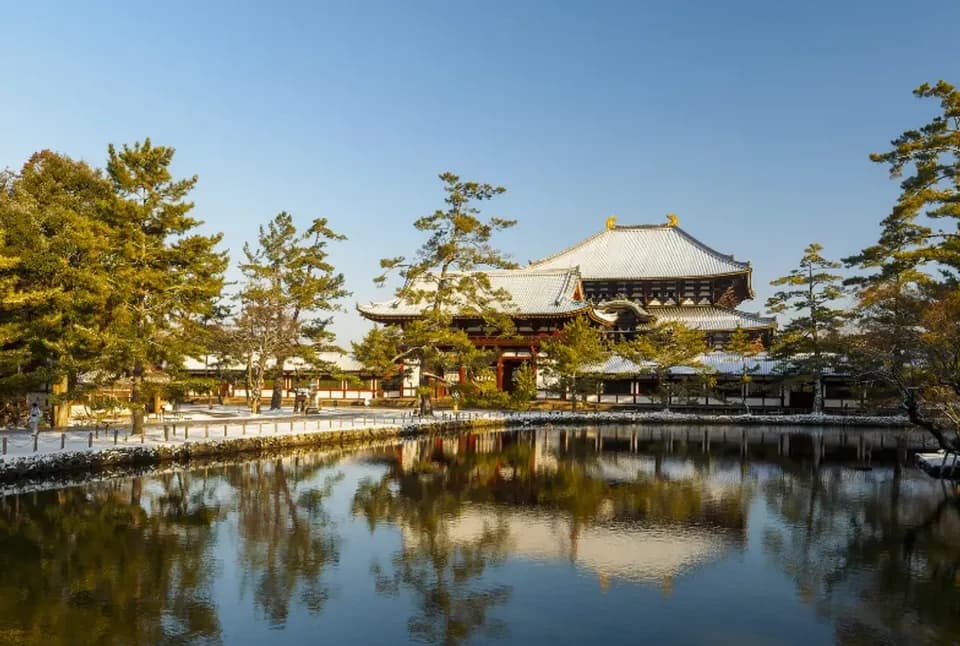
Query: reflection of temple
<point x="650" y="522"/>
<point x="613" y="551"/>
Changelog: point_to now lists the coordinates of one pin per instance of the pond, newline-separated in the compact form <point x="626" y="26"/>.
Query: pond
<point x="546" y="536"/>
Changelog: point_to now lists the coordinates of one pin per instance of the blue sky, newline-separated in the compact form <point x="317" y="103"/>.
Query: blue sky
<point x="750" y="120"/>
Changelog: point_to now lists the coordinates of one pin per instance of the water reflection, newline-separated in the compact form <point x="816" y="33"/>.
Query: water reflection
<point x="121" y="563"/>
<point x="463" y="503"/>
<point x="519" y="537"/>
<point x="878" y="554"/>
<point x="287" y="538"/>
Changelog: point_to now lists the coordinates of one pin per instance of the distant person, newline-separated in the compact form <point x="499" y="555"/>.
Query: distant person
<point x="33" y="421"/>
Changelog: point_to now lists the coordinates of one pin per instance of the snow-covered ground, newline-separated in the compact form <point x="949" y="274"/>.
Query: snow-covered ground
<point x="198" y="423"/>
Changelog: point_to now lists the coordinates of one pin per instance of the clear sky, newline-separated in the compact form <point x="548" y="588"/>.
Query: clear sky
<point x="752" y="120"/>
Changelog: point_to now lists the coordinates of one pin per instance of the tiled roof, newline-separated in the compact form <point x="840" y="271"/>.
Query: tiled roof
<point x="712" y="318"/>
<point x="643" y="252"/>
<point x="531" y="292"/>
<point x="722" y="363"/>
<point x="342" y="361"/>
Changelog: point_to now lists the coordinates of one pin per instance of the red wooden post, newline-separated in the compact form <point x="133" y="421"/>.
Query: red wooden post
<point x="500" y="372"/>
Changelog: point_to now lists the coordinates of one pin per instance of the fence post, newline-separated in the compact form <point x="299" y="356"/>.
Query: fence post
<point x="115" y="433"/>
<point x="4" y="446"/>
<point x="186" y="432"/>
<point x="166" y="433"/>
<point x="206" y="431"/>
<point x="35" y="438"/>
<point x="63" y="440"/>
<point x="224" y="430"/>
<point x="90" y="440"/>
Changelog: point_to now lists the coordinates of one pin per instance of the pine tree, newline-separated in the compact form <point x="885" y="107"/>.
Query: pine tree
<point x="660" y="348"/>
<point x="445" y="277"/>
<point x="741" y="344"/>
<point x="808" y="344"/>
<point x="290" y="280"/>
<point x="568" y="356"/>
<point x="53" y="212"/>
<point x="165" y="275"/>
<point x="909" y="278"/>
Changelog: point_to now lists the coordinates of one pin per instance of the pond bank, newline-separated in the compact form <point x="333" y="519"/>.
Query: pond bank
<point x="158" y="448"/>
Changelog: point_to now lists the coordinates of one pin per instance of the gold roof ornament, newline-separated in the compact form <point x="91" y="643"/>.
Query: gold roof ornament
<point x="672" y="220"/>
<point x="611" y="222"/>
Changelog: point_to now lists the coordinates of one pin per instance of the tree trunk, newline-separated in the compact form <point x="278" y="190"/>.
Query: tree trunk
<point x="276" y="398"/>
<point x="61" y="410"/>
<point x="136" y="405"/>
<point x="818" y="395"/>
<point x="573" y="392"/>
<point x="423" y="390"/>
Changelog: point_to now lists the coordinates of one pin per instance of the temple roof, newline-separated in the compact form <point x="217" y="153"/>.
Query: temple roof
<point x="718" y="362"/>
<point x="643" y="252"/>
<point x="553" y="292"/>
<point x="712" y="318"/>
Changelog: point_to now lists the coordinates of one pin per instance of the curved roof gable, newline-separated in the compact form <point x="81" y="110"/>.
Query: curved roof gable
<point x="532" y="293"/>
<point x="643" y="252"/>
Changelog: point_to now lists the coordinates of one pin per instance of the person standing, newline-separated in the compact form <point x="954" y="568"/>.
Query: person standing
<point x="33" y="421"/>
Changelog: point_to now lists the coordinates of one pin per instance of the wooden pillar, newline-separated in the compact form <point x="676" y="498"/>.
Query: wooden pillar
<point x="499" y="372"/>
<point x="156" y="402"/>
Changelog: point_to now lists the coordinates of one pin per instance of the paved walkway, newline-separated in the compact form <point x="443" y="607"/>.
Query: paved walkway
<point x="198" y="423"/>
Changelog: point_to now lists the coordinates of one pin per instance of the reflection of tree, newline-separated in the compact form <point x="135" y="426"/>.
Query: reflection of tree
<point x="92" y="565"/>
<point x="879" y="556"/>
<point x="286" y="536"/>
<point x="442" y="573"/>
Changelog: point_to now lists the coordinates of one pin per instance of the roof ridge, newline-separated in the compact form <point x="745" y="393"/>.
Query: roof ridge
<point x="530" y="263"/>
<point x="750" y="315"/>
<point x="709" y="249"/>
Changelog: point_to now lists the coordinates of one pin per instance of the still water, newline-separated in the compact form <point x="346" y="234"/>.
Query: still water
<point x="535" y="537"/>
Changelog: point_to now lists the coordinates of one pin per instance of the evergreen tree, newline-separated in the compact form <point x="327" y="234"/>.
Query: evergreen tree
<point x="53" y="212"/>
<point x="741" y="344"/>
<point x="808" y="344"/>
<point x="909" y="278"/>
<point x="446" y="278"/>
<point x="662" y="347"/>
<point x="165" y="275"/>
<point x="569" y="356"/>
<point x="289" y="280"/>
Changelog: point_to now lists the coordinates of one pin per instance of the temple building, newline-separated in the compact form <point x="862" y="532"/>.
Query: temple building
<point x="624" y="278"/>
<point x="647" y="273"/>
<point x="541" y="302"/>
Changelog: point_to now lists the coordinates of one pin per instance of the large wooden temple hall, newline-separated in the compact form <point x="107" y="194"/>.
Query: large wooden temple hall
<point x="623" y="278"/>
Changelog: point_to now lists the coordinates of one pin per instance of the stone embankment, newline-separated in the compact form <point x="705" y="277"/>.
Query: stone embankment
<point x="161" y="448"/>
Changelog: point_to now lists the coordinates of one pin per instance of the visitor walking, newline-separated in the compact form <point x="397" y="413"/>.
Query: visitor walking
<point x="33" y="421"/>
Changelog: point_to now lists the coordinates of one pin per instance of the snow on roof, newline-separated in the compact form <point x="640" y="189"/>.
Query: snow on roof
<point x="531" y="293"/>
<point x="643" y="252"/>
<point x="712" y="318"/>
<point x="718" y="362"/>
<point x="342" y="361"/>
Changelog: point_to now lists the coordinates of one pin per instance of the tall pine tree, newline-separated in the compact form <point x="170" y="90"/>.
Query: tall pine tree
<point x="53" y="211"/>
<point x="289" y="283"/>
<point x="446" y="277"/>
<point x="809" y="342"/>
<point x="907" y="287"/>
<point x="165" y="276"/>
